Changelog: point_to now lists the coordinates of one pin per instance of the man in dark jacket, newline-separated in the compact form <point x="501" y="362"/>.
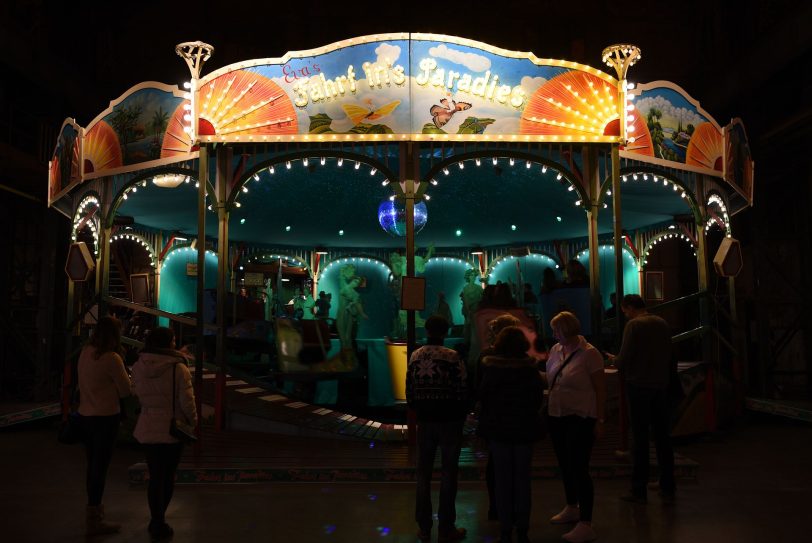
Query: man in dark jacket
<point x="644" y="362"/>
<point x="436" y="388"/>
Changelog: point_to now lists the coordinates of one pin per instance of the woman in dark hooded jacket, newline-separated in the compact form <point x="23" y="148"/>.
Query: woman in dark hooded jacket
<point x="510" y="394"/>
<point x="152" y="383"/>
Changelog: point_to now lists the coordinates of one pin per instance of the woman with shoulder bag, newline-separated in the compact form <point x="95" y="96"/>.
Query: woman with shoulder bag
<point x="103" y="381"/>
<point x="511" y="392"/>
<point x="576" y="409"/>
<point x="163" y="384"/>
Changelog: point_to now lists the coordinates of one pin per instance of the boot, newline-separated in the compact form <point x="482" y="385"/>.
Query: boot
<point x="95" y="524"/>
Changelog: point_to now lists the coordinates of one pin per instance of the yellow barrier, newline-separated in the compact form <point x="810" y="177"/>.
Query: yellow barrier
<point x="396" y="356"/>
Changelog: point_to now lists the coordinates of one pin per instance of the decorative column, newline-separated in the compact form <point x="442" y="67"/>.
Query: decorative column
<point x="195" y="54"/>
<point x="593" y="188"/>
<point x="103" y="260"/>
<point x="409" y="172"/>
<point x="621" y="57"/>
<point x="222" y="184"/>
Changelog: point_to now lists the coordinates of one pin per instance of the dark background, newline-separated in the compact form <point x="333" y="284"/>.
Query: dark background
<point x="743" y="59"/>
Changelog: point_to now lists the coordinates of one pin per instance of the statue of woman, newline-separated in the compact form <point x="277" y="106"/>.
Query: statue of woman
<point x="471" y="295"/>
<point x="349" y="307"/>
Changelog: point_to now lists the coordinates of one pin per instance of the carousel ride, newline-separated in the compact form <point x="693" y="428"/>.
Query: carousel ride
<point x="276" y="211"/>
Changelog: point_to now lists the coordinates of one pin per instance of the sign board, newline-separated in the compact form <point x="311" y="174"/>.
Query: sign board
<point x="80" y="263"/>
<point x="254" y="279"/>
<point x="191" y="269"/>
<point x="417" y="86"/>
<point x="139" y="286"/>
<point x="413" y="293"/>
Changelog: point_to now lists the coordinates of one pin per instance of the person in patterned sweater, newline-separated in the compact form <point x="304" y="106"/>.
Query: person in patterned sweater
<point x="437" y="389"/>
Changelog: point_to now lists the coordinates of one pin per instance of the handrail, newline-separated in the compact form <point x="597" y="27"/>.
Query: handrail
<point x="696" y="332"/>
<point x="725" y="313"/>
<point x="678" y="301"/>
<point x="699" y="332"/>
<point x="156" y="312"/>
<point x="88" y="308"/>
<point x="132" y="342"/>
<point x="725" y="342"/>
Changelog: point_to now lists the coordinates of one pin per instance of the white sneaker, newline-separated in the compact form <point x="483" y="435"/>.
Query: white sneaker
<point x="582" y="533"/>
<point x="570" y="513"/>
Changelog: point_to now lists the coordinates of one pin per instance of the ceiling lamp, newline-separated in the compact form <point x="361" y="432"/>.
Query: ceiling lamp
<point x="168" y="181"/>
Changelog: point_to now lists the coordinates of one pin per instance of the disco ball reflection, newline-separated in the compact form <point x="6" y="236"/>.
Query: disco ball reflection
<point x="392" y="217"/>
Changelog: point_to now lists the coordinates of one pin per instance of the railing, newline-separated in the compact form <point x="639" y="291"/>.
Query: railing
<point x="712" y="357"/>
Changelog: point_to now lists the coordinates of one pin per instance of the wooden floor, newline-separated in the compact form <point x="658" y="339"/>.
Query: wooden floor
<point x="336" y="446"/>
<point x="793" y="409"/>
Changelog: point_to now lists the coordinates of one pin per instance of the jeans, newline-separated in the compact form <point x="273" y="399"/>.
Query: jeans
<point x="448" y="436"/>
<point x="100" y="437"/>
<point x="511" y="462"/>
<point x="162" y="461"/>
<point x="572" y="438"/>
<point x="649" y="407"/>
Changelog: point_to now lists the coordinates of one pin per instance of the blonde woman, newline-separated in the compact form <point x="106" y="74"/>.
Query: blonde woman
<point x="576" y="418"/>
<point x="103" y="381"/>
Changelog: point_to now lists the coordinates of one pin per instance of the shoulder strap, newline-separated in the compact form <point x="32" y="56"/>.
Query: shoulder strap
<point x="564" y="365"/>
<point x="174" y="371"/>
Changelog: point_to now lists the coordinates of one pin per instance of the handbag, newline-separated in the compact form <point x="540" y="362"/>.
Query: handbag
<point x="71" y="430"/>
<point x="180" y="430"/>
<point x="544" y="413"/>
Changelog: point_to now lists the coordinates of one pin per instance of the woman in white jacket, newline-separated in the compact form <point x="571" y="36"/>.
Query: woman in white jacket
<point x="152" y="382"/>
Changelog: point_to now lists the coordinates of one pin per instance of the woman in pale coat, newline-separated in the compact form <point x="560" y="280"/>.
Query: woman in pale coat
<point x="152" y="383"/>
<point x="103" y="381"/>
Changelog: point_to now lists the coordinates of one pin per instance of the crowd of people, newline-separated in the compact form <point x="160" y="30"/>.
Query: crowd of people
<point x="507" y="396"/>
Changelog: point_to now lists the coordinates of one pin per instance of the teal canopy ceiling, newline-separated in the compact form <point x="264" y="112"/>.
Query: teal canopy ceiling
<point x="308" y="206"/>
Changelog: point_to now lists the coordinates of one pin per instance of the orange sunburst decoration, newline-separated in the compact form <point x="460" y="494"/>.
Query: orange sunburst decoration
<point x="176" y="141"/>
<point x="101" y="148"/>
<point x="574" y="103"/>
<point x="245" y="103"/>
<point x="642" y="144"/>
<point x="54" y="178"/>
<point x="705" y="148"/>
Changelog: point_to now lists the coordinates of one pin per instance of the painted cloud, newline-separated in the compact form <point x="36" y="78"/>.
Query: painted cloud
<point x="472" y="61"/>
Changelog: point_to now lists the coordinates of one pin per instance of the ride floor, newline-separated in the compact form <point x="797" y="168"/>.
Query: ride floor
<point x="302" y="442"/>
